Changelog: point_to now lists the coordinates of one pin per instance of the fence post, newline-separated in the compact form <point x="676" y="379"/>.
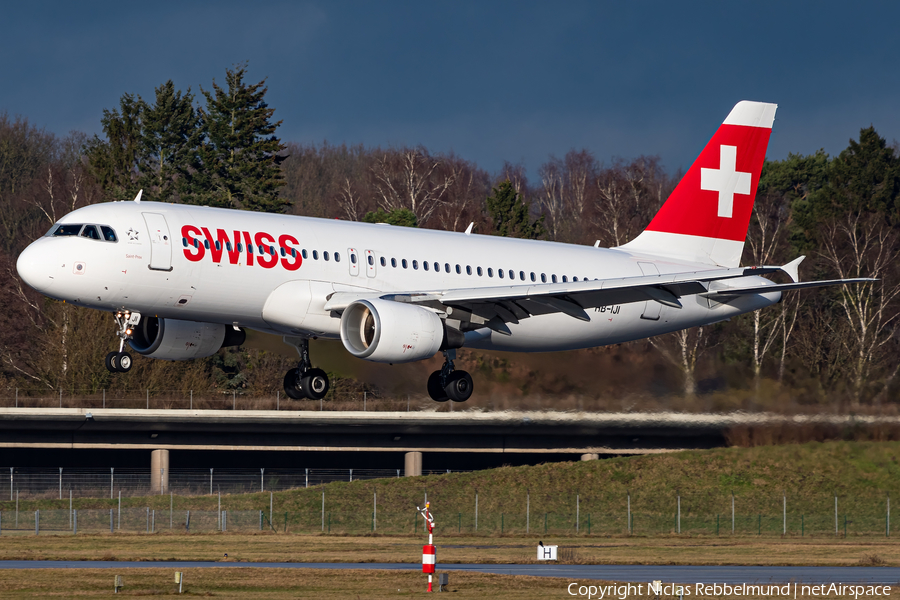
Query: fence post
<point x="70" y="508"/>
<point x="210" y="484"/>
<point x="110" y="520"/>
<point x="219" y="514"/>
<point x="527" y="511"/>
<point x="306" y="471"/>
<point x="271" y="504"/>
<point x="784" y="513"/>
<point x="75" y="523"/>
<point x="153" y="521"/>
<point x="374" y="511"/>
<point x="60" y="482"/>
<point x="323" y="510"/>
<point x="262" y="484"/>
<point x="476" y="511"/>
<point x="148" y="519"/>
<point x="351" y="475"/>
<point x="37" y="522"/>
<point x="112" y="471"/>
<point x="171" y="505"/>
<point x="119" y="513"/>
<point x="577" y="511"/>
<point x="11" y="476"/>
<point x="187" y="522"/>
<point x="628" y="521"/>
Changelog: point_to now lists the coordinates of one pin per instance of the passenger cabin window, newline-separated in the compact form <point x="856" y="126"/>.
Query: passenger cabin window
<point x="337" y="257"/>
<point x="447" y="267"/>
<point x="353" y="258"/>
<point x="371" y="260"/>
<point x="522" y="275"/>
<point x="565" y="279"/>
<point x="325" y="255"/>
<point x="315" y="255"/>
<point x="490" y="272"/>
<point x="553" y="278"/>
<point x="383" y="262"/>
<point x="500" y="273"/>
<point x="458" y="270"/>
<point x="543" y="278"/>
<point x="394" y="262"/>
<point x="302" y="253"/>
<point x="404" y="263"/>
<point x="415" y="265"/>
<point x="533" y="278"/>
<point x="437" y="268"/>
<point x="425" y="264"/>
<point x="479" y="271"/>
<point x="468" y="270"/>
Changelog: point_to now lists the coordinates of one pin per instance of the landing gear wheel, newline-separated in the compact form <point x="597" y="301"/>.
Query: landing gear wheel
<point x="123" y="362"/>
<point x="459" y="386"/>
<point x="314" y="384"/>
<point x="292" y="385"/>
<point x="110" y="362"/>
<point x="435" y="390"/>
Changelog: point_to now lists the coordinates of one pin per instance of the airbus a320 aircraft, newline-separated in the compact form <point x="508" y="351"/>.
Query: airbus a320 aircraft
<point x="184" y="281"/>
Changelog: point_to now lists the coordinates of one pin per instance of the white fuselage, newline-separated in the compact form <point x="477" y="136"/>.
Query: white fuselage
<point x="157" y="269"/>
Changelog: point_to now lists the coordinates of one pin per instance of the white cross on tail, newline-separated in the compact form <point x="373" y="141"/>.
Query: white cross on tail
<point x="726" y="180"/>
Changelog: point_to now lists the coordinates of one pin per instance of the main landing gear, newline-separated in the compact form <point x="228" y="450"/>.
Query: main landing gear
<point x="120" y="362"/>
<point x="304" y="381"/>
<point x="448" y="383"/>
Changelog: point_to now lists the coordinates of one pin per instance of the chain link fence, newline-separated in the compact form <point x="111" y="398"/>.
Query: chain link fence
<point x="38" y="482"/>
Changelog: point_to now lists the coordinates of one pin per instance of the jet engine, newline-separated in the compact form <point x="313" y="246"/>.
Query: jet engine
<point x="171" y="339"/>
<point x="390" y="332"/>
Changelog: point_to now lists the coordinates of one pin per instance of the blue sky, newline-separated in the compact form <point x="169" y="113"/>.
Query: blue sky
<point x="490" y="81"/>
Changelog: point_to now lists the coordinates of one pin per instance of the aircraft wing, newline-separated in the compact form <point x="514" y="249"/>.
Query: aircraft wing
<point x="494" y="307"/>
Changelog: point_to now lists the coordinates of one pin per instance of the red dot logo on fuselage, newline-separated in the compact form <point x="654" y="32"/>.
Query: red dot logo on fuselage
<point x="242" y="247"/>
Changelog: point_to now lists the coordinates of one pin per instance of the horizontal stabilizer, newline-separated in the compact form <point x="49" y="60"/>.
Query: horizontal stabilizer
<point x="781" y="287"/>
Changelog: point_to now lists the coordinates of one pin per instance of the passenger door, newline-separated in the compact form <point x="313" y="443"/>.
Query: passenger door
<point x="160" y="244"/>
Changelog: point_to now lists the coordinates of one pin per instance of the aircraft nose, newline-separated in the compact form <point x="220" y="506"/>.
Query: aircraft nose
<point x="34" y="267"/>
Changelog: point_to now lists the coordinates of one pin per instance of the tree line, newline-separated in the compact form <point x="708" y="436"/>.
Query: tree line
<point x="220" y="148"/>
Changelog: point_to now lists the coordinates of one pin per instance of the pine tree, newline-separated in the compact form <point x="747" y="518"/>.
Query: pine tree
<point x="169" y="137"/>
<point x="401" y="217"/>
<point x="113" y="161"/>
<point x="237" y="165"/>
<point x="510" y="214"/>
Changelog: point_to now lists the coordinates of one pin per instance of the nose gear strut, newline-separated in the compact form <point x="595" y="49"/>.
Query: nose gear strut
<point x="305" y="381"/>
<point x="126" y="321"/>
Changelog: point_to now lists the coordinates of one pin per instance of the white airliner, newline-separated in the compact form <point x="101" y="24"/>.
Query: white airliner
<point x="183" y="281"/>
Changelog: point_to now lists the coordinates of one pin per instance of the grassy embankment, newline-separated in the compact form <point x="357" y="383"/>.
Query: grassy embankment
<point x="861" y="474"/>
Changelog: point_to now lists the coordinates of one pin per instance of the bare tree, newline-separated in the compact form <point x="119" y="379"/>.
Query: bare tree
<point x="865" y="247"/>
<point x="682" y="349"/>
<point x="410" y="179"/>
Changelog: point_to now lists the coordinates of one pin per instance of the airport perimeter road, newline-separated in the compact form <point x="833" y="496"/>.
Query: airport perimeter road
<point x="684" y="574"/>
<point x="422" y="431"/>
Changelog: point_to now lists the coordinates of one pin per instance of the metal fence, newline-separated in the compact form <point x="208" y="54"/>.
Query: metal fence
<point x="335" y="400"/>
<point x="391" y="520"/>
<point x="37" y="482"/>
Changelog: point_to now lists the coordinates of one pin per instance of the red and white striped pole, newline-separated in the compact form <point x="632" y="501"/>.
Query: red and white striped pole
<point x="429" y="557"/>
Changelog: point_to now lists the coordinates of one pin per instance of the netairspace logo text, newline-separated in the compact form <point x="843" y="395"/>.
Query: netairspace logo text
<point x="700" y="590"/>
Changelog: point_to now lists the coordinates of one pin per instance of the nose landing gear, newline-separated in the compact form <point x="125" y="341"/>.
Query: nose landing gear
<point x="120" y="362"/>
<point x="304" y="381"/>
<point x="448" y="383"/>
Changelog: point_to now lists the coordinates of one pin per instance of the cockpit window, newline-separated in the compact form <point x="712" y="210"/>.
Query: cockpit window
<point x="93" y="232"/>
<point x="90" y="231"/>
<point x="68" y="229"/>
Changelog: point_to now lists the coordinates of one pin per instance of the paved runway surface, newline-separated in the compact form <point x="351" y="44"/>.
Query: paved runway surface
<point x="631" y="573"/>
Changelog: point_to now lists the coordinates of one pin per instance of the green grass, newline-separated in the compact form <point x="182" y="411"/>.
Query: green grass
<point x="861" y="474"/>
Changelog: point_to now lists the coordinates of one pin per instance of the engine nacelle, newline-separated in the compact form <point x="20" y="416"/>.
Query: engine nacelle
<point x="390" y="332"/>
<point x="171" y="339"/>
